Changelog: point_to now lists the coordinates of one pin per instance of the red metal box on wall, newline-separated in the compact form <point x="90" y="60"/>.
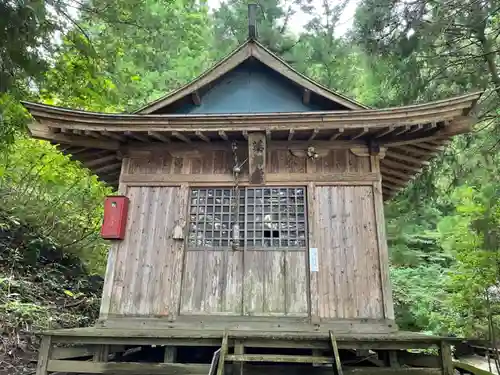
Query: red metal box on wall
<point x="115" y="217"/>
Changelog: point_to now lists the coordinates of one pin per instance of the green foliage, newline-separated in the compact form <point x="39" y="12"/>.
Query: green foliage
<point x="50" y="192"/>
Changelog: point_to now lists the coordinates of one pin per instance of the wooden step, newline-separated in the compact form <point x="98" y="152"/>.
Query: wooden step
<point x="277" y="358"/>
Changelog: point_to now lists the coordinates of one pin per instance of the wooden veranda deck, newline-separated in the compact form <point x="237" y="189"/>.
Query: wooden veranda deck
<point x="290" y="352"/>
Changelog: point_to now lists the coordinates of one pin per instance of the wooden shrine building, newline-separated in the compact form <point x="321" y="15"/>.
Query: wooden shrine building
<point x="255" y="223"/>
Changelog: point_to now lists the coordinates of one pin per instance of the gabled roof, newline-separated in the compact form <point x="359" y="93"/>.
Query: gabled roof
<point x="251" y="49"/>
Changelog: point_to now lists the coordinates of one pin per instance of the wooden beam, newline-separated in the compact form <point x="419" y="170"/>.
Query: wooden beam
<point x="196" y="98"/>
<point x="93" y="134"/>
<point x="403" y="130"/>
<point x="159" y="136"/>
<point x="390" y="187"/>
<point x="278" y="358"/>
<point x="396" y="173"/>
<point x="409" y="159"/>
<point x="314" y="134"/>
<point x="257" y="158"/>
<point x="415" y="151"/>
<point x="398" y="165"/>
<point x="306" y="96"/>
<point x="430" y="147"/>
<point x="107" y="168"/>
<point x="351" y="178"/>
<point x="416" y="128"/>
<point x="84" y="367"/>
<point x="114" y="135"/>
<point x="389" y="130"/>
<point x="290" y="134"/>
<point x="74" y="140"/>
<point x="181" y="136"/>
<point x="223" y="135"/>
<point x="99" y="161"/>
<point x="76" y="150"/>
<point x="395" y="180"/>
<point x="202" y="136"/>
<point x="137" y="136"/>
<point x="337" y="134"/>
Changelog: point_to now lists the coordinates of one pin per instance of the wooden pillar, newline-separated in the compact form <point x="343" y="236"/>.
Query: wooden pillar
<point x="170" y="354"/>
<point x="446" y="358"/>
<point x="101" y="353"/>
<point x="383" y="251"/>
<point x="238" y="349"/>
<point x="44" y="355"/>
<point x="257" y="158"/>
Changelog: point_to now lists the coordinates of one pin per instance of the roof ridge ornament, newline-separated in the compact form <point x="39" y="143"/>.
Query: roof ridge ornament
<point x="252" y="21"/>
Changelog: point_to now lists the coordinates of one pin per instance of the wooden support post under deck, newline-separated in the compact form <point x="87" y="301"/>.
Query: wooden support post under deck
<point x="446" y="359"/>
<point x="170" y="354"/>
<point x="239" y="349"/>
<point x="44" y="355"/>
<point x="222" y="355"/>
<point x="101" y="353"/>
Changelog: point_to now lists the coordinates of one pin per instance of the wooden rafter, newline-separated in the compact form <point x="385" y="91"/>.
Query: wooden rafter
<point x="100" y="161"/>
<point x="202" y="136"/>
<point x="181" y="136"/>
<point x="107" y="168"/>
<point x="223" y="135"/>
<point x="159" y="136"/>
<point x="360" y="133"/>
<point x="337" y="134"/>
<point x="409" y="159"/>
<point x="313" y="134"/>
<point x="114" y="135"/>
<point x="409" y="149"/>
<point x="137" y="136"/>
<point x="386" y="131"/>
<point x="400" y="166"/>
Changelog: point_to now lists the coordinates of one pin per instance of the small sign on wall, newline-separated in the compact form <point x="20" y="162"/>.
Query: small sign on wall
<point x="313" y="259"/>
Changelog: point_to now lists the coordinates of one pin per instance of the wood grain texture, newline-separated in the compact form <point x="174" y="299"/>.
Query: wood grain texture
<point x="147" y="273"/>
<point x="349" y="270"/>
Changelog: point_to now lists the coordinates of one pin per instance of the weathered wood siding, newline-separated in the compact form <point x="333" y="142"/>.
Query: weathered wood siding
<point x="349" y="283"/>
<point x="148" y="264"/>
<point x="215" y="163"/>
<point x="154" y="275"/>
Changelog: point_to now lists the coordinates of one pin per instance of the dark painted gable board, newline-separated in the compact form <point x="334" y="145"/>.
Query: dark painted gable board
<point x="250" y="88"/>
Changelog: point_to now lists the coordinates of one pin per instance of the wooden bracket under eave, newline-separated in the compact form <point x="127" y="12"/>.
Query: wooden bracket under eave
<point x="257" y="149"/>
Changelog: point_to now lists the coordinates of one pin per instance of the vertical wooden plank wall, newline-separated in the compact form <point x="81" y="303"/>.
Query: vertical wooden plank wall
<point x="145" y="270"/>
<point x="148" y="262"/>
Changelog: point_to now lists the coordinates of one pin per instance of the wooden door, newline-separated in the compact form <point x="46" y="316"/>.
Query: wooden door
<point x="275" y="262"/>
<point x="266" y="274"/>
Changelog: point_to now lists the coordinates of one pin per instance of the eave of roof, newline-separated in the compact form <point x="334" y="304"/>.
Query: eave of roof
<point x="411" y="134"/>
<point x="250" y="48"/>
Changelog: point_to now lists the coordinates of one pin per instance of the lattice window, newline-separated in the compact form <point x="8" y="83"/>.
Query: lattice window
<point x="270" y="217"/>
